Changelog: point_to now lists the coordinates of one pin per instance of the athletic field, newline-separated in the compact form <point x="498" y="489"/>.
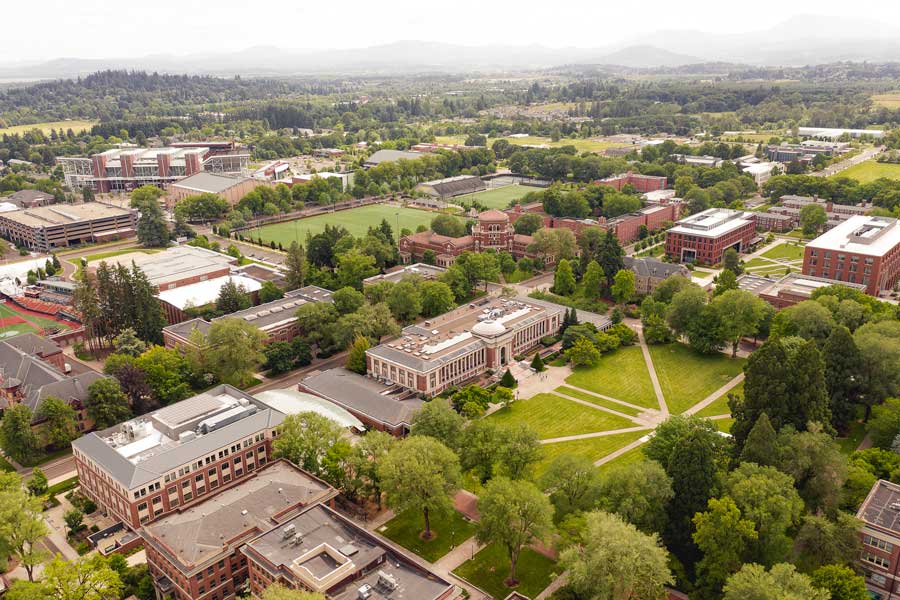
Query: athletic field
<point x="871" y="170"/>
<point x="13" y="322"/>
<point x="498" y="198"/>
<point x="356" y="220"/>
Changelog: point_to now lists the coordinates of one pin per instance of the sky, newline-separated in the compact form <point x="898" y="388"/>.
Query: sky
<point x="45" y="29"/>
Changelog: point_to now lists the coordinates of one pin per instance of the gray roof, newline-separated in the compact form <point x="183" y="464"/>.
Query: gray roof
<point x="29" y="195"/>
<point x="650" y="267"/>
<point x="34" y="344"/>
<point x="173" y="455"/>
<point x="283" y="309"/>
<point x="185" y="328"/>
<point x="391" y="155"/>
<point x="880" y="507"/>
<point x="361" y="394"/>
<point x="213" y="183"/>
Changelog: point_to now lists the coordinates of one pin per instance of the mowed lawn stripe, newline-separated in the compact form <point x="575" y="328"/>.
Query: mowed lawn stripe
<point x="720" y="405"/>
<point x="498" y="198"/>
<point x="621" y="375"/>
<point x="591" y="448"/>
<point x="553" y="416"/>
<point x="356" y="220"/>
<point x="687" y="377"/>
<point x="581" y="395"/>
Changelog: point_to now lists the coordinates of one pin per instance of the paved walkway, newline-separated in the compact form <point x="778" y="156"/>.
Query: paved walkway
<point x="616" y="454"/>
<point x="596" y="434"/>
<point x="664" y="409"/>
<point x="715" y="395"/>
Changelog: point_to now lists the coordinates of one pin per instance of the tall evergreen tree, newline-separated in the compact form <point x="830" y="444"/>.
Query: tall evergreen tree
<point x="297" y="266"/>
<point x="809" y="398"/>
<point x="843" y="370"/>
<point x="761" y="446"/>
<point x="610" y="257"/>
<point x="767" y="388"/>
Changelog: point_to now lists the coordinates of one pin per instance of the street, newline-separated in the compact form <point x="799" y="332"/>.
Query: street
<point x="846" y="164"/>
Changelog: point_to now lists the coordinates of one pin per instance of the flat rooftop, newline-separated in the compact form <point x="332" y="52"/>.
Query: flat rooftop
<point x="65" y="214"/>
<point x="274" y="314"/>
<point x="351" y="391"/>
<point x="881" y="507"/>
<point x="874" y="236"/>
<point x="254" y="506"/>
<point x="145" y="448"/>
<point x="427" y="345"/>
<point x="398" y="274"/>
<point x="174" y="264"/>
<point x="713" y="222"/>
<point x="795" y="284"/>
<point x="211" y="183"/>
<point x="205" y="292"/>
<point x="329" y="554"/>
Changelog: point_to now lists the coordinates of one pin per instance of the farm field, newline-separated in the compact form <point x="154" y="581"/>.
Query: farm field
<point x="76" y="126"/>
<point x="687" y="378"/>
<point x="13" y="322"/>
<point x="581" y="144"/>
<point x="888" y="100"/>
<point x="356" y="220"/>
<point x="870" y="171"/>
<point x="498" y="198"/>
<point x="621" y="375"/>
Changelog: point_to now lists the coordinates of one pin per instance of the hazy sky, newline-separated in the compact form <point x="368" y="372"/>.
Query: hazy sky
<point x="41" y="29"/>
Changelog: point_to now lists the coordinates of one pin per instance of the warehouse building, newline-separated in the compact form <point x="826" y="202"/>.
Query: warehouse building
<point x="45" y="228"/>
<point x="230" y="188"/>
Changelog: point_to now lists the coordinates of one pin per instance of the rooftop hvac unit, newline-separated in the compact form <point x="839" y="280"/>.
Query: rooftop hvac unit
<point x="364" y="592"/>
<point x="894" y="506"/>
<point x="387" y="580"/>
<point x="288" y="531"/>
<point x="297" y="539"/>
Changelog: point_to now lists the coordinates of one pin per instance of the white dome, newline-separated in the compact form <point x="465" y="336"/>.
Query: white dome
<point x="488" y="328"/>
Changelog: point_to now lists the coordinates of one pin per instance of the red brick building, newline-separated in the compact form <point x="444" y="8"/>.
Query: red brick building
<point x="641" y="183"/>
<point x="879" y="558"/>
<point x="791" y="289"/>
<point x="862" y="249"/>
<point x="145" y="468"/>
<point x="704" y="237"/>
<point x="193" y="553"/>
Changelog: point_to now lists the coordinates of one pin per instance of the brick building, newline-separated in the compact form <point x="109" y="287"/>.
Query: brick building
<point x="145" y="468"/>
<point x="642" y="183"/>
<point x="627" y="227"/>
<point x="463" y="344"/>
<point x="861" y="249"/>
<point x="790" y="289"/>
<point x="649" y="273"/>
<point x="194" y="552"/>
<point x="879" y="558"/>
<point x="230" y="188"/>
<point x="45" y="228"/>
<point x="704" y="237"/>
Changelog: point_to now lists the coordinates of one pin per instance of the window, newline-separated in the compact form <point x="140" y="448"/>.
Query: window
<point x="142" y="506"/>
<point x="875" y="542"/>
<point x="876" y="560"/>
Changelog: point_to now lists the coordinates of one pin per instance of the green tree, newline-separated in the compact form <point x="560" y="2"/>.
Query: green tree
<point x="279" y="357"/>
<point x="822" y="541"/>
<point x="725" y="281"/>
<point x="639" y="493"/>
<point x="37" y="485"/>
<point x="279" y="592"/>
<point x="841" y="582"/>
<point x="537" y="363"/>
<point x="879" y="347"/>
<point x="74" y="520"/>
<point x="817" y="465"/>
<point x="166" y="373"/>
<point x="354" y="266"/>
<point x="151" y="226"/>
<point x="305" y="438"/>
<point x="436" y="419"/>
<point x="843" y="372"/>
<point x="448" y="225"/>
<point x="528" y="223"/>
<point x="59" y="422"/>
<point x="519" y="450"/>
<point x="21" y="525"/>
<point x="405" y="301"/>
<point x="232" y="297"/>
<point x="364" y="462"/>
<point x="731" y="261"/>
<point x="420" y="474"/>
<point x="235" y="350"/>
<point x="592" y="281"/>
<point x="572" y="482"/>
<point x="609" y="257"/>
<point x="106" y="403"/>
<point x="127" y="342"/>
<point x="809" y="320"/>
<point x="269" y="292"/>
<point x="564" y="279"/>
<point x="480" y="447"/>
<point x="513" y="514"/>
<point x="753" y="582"/>
<point x="740" y="313"/>
<point x="437" y="298"/>
<point x="622" y="289"/>
<point x="356" y="355"/>
<point x="296" y="266"/>
<point x="16" y="436"/>
<point x="348" y="300"/>
<point x="724" y="537"/>
<point x="583" y="353"/>
<point x="761" y="446"/>
<point x="685" y="309"/>
<point x="616" y="561"/>
<point x="812" y="218"/>
<point x="508" y="381"/>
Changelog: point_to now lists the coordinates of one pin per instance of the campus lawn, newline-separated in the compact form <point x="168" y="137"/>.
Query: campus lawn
<point x="635" y="455"/>
<point x="113" y="253"/>
<point x="785" y="251"/>
<point x="687" y="377"/>
<point x="621" y="375"/>
<point x="76" y="126"/>
<point x="582" y="395"/>
<point x="450" y="530"/>
<point x="490" y="568"/>
<point x="849" y="444"/>
<point x="720" y="405"/>
<point x="553" y="416"/>
<point x="871" y="170"/>
<point x="798" y="234"/>
<point x="356" y="220"/>
<point x="724" y="425"/>
<point x="593" y="448"/>
<point x="498" y="198"/>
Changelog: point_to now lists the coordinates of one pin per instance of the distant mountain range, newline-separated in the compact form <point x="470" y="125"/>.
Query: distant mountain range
<point x="799" y="41"/>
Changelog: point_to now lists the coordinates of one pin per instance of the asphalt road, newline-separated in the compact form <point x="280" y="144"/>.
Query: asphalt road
<point x="846" y="164"/>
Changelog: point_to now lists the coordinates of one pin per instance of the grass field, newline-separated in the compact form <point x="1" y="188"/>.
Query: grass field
<point x="870" y="171"/>
<point x="687" y="378"/>
<point x="33" y="324"/>
<point x="720" y="405"/>
<point x="490" y="567"/>
<point x="787" y="250"/>
<point x="76" y="126"/>
<point x="581" y="144"/>
<point x="498" y="198"/>
<point x="553" y="416"/>
<point x="593" y="448"/>
<point x="450" y="530"/>
<point x="888" y="100"/>
<point x="635" y="455"/>
<point x="582" y="395"/>
<point x="724" y="425"/>
<point x="356" y="220"/>
<point x="621" y="375"/>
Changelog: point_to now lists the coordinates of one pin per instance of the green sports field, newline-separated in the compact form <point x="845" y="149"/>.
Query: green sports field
<point x="870" y="171"/>
<point x="25" y="323"/>
<point x="356" y="220"/>
<point x="498" y="198"/>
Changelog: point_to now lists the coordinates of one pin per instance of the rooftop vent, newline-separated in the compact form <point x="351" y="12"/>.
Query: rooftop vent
<point x="288" y="531"/>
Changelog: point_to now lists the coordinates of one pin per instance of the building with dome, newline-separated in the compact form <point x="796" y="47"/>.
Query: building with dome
<point x="462" y="345"/>
<point x="492" y="230"/>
